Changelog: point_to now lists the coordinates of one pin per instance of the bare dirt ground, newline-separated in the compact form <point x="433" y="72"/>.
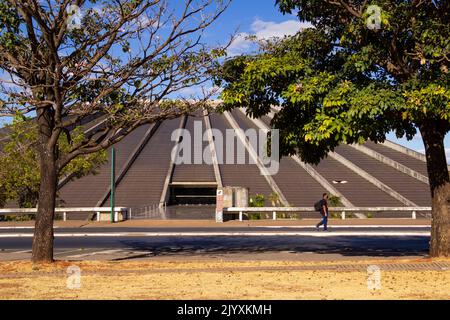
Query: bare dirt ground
<point x="213" y="224"/>
<point x="221" y="280"/>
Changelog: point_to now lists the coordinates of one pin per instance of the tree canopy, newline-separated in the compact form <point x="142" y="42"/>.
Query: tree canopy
<point x="19" y="162"/>
<point x="341" y="82"/>
<point x="364" y="69"/>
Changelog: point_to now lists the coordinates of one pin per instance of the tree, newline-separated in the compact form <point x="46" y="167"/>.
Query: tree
<point x="19" y="163"/>
<point x="257" y="201"/>
<point x="334" y="201"/>
<point x="66" y="61"/>
<point x="359" y="73"/>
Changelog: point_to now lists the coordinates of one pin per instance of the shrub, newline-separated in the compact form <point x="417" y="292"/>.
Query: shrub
<point x="255" y="216"/>
<point x="274" y="198"/>
<point x="334" y="201"/>
<point x="18" y="218"/>
<point x="257" y="201"/>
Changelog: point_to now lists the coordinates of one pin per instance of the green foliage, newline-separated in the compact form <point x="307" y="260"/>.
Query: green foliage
<point x="19" y="166"/>
<point x="335" y="215"/>
<point x="257" y="201"/>
<point x="9" y="25"/>
<point x="334" y="201"/>
<point x="18" y="218"/>
<point x="82" y="165"/>
<point x="19" y="163"/>
<point x="255" y="216"/>
<point x="3" y="196"/>
<point x="274" y="198"/>
<point x="341" y="82"/>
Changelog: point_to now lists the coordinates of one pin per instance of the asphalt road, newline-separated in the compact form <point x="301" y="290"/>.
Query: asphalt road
<point x="334" y="230"/>
<point x="224" y="243"/>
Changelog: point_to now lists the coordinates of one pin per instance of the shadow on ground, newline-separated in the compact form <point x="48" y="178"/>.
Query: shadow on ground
<point x="345" y="246"/>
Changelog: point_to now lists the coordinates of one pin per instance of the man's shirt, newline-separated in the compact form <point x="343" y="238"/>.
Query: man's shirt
<point x="323" y="203"/>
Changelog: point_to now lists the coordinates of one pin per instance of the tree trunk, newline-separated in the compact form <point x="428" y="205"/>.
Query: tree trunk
<point x="433" y="137"/>
<point x="43" y="232"/>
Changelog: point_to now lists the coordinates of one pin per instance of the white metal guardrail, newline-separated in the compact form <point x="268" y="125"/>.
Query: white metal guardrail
<point x="153" y="211"/>
<point x="342" y="210"/>
<point x="236" y="210"/>
<point x="65" y="211"/>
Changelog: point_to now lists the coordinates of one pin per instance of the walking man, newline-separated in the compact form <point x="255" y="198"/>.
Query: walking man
<point x="324" y="212"/>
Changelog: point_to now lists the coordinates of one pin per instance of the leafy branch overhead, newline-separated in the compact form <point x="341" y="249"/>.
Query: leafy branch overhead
<point x="343" y="83"/>
<point x="123" y="61"/>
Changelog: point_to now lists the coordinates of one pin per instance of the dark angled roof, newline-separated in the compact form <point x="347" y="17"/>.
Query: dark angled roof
<point x="148" y="166"/>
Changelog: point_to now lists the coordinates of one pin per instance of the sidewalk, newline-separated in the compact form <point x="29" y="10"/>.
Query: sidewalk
<point x="213" y="224"/>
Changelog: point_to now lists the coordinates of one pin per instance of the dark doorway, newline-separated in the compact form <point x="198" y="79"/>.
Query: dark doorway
<point x="192" y="195"/>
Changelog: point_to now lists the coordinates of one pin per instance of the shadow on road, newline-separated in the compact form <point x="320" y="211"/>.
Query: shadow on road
<point x="345" y="246"/>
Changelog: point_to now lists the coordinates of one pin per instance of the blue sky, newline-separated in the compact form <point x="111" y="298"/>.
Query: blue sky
<point x="262" y="19"/>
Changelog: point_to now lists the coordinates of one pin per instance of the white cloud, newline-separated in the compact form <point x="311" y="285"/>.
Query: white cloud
<point x="239" y="45"/>
<point x="199" y="91"/>
<point x="265" y="30"/>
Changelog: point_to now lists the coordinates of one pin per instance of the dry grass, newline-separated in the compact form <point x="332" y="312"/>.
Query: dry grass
<point x="203" y="280"/>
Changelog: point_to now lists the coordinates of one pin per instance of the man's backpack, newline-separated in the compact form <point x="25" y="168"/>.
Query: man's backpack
<point x="318" y="205"/>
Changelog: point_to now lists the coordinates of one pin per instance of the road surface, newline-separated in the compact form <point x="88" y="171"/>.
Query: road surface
<point x="225" y="243"/>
